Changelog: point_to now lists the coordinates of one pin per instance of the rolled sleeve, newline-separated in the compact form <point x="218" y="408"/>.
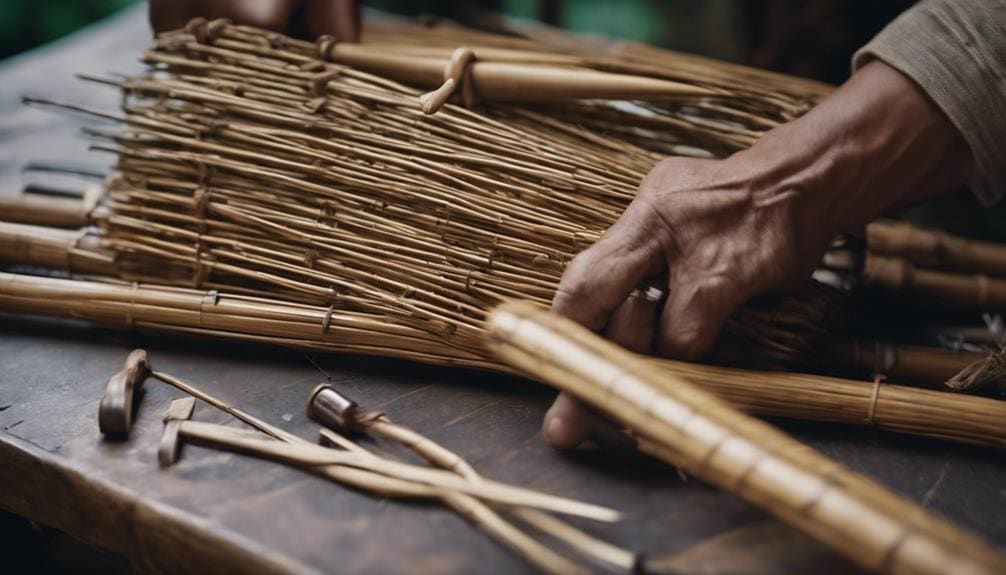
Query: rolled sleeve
<point x="956" y="51"/>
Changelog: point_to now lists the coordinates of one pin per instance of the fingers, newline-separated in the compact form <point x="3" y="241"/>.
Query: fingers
<point x="632" y="326"/>
<point x="598" y="280"/>
<point x="169" y="14"/>
<point x="566" y="424"/>
<point x="694" y="314"/>
<point x="338" y="18"/>
<point x="174" y="14"/>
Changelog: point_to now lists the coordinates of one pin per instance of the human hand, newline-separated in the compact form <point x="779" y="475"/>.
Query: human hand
<point x="713" y="233"/>
<point x="339" y="18"/>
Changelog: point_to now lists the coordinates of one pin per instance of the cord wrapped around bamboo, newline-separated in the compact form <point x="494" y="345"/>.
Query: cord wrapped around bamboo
<point x="935" y="288"/>
<point x="935" y="249"/>
<point x="270" y="321"/>
<point x="692" y="429"/>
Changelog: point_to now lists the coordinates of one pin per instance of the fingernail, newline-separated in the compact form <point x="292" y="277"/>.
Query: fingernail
<point x="554" y="430"/>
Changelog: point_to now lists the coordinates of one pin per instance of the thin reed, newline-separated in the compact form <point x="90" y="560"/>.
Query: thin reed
<point x="248" y="164"/>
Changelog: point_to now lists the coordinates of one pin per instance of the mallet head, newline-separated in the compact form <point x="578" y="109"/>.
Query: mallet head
<point x="180" y="410"/>
<point x="115" y="412"/>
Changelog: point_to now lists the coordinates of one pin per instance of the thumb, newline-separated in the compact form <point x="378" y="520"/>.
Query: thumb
<point x="694" y="315"/>
<point x="566" y="424"/>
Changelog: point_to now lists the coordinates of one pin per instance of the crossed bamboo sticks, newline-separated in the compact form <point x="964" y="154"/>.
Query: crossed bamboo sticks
<point x="346" y="462"/>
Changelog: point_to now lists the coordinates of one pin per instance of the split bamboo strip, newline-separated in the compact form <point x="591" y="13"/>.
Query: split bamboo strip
<point x="270" y="321"/>
<point x="692" y="429"/>
<point x="935" y="288"/>
<point x="935" y="249"/>
<point x="471" y="508"/>
<point x="310" y="455"/>
<point x="379" y="425"/>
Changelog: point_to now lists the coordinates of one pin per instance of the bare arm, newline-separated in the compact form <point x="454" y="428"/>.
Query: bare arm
<point x="717" y="232"/>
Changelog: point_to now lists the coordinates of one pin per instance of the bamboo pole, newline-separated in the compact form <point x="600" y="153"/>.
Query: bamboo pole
<point x="40" y="210"/>
<point x="929" y="365"/>
<point x="692" y="429"/>
<point x="264" y="320"/>
<point x="505" y="77"/>
<point x="935" y="288"/>
<point x="935" y="249"/>
<point x="75" y="251"/>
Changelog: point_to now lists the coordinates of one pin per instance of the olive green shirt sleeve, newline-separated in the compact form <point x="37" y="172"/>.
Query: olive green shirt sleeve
<point x="956" y="51"/>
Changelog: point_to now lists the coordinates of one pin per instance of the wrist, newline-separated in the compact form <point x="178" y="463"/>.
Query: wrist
<point x="877" y="144"/>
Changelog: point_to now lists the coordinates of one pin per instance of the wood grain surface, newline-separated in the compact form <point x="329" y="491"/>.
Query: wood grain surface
<point x="216" y="512"/>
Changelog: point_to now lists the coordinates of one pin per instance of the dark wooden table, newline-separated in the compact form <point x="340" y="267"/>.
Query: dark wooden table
<point x="216" y="511"/>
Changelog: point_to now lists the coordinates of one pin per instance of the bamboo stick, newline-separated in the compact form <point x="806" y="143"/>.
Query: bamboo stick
<point x="898" y="362"/>
<point x="317" y="456"/>
<point x="469" y="507"/>
<point x="935" y="249"/>
<point x="344" y="414"/>
<point x="935" y="288"/>
<point x="52" y="211"/>
<point x="690" y="428"/>
<point x="75" y="251"/>
<point x="268" y="321"/>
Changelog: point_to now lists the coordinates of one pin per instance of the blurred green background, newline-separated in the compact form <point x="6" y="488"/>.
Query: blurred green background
<point x="811" y="38"/>
<point x="25" y="24"/>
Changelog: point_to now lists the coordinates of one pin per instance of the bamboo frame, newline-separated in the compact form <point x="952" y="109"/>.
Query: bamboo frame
<point x="258" y="168"/>
<point x="690" y="428"/>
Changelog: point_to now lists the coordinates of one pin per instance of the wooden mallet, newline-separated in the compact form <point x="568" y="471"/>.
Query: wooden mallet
<point x="115" y="412"/>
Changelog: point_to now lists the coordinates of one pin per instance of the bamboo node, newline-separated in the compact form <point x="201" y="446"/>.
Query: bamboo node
<point x="310" y="256"/>
<point x="200" y="199"/>
<point x="132" y="302"/>
<point x="327" y="320"/>
<point x="202" y="268"/>
<point x="874" y="395"/>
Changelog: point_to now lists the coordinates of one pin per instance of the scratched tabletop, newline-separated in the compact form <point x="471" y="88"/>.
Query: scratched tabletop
<point x="219" y="512"/>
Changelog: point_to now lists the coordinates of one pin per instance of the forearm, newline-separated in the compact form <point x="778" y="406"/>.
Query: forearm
<point x="876" y="144"/>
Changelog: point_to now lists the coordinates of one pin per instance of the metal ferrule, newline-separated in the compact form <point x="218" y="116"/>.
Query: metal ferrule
<point x="331" y="409"/>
